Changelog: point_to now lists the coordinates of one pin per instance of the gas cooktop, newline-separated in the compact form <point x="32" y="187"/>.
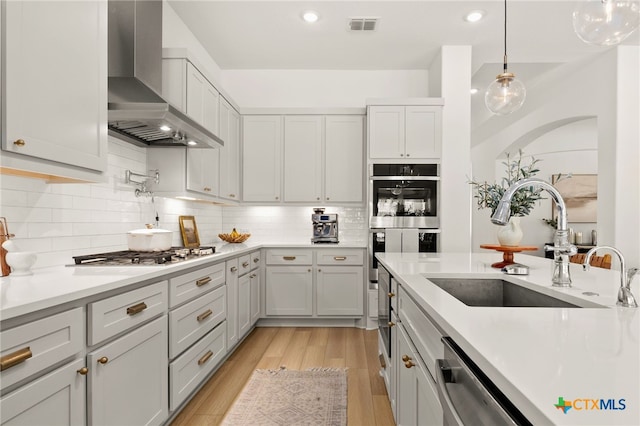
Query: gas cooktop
<point x="129" y="257"/>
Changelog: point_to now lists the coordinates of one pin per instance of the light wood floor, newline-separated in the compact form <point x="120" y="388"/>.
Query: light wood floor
<point x="298" y="349"/>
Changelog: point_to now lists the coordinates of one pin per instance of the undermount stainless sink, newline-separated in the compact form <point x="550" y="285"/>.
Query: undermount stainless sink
<point x="497" y="293"/>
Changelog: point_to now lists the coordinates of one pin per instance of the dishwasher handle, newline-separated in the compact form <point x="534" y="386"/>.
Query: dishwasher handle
<point x="443" y="376"/>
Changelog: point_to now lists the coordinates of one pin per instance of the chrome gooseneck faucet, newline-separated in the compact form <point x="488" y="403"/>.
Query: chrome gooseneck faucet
<point x="562" y="249"/>
<point x="625" y="298"/>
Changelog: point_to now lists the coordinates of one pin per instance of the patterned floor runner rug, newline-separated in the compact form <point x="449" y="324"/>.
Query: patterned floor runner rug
<point x="317" y="396"/>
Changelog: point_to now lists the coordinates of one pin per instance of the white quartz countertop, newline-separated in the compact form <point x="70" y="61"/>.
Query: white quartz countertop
<point x="57" y="285"/>
<point x="537" y="355"/>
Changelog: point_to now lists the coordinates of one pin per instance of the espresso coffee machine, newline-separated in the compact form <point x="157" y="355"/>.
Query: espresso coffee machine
<point x="325" y="227"/>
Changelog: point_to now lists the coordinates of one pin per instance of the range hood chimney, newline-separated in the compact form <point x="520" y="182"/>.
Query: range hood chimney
<point x="137" y="113"/>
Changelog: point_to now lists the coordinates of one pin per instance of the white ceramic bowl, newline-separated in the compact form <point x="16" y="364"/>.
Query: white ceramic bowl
<point x="21" y="262"/>
<point x="149" y="239"/>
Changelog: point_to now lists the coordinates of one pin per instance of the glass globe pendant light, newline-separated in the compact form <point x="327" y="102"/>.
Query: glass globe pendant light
<point x="606" y="22"/>
<point x="506" y="94"/>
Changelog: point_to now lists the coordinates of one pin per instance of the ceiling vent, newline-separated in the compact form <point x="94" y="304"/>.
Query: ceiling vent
<point x="363" y="24"/>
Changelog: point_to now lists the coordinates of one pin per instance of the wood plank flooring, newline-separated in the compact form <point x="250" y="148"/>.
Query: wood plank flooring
<point x="298" y="349"/>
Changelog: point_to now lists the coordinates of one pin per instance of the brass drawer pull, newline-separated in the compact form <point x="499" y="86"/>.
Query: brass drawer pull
<point x="205" y="357"/>
<point x="252" y="276"/>
<point x="256" y="259"/>
<point x="233" y="269"/>
<point x="103" y="360"/>
<point x="203" y="281"/>
<point x="391" y="323"/>
<point x="409" y="364"/>
<point x="20" y="142"/>
<point x="391" y="294"/>
<point x="15" y="358"/>
<point x="289" y="257"/>
<point x="406" y="358"/>
<point x="83" y="371"/>
<point x="203" y="316"/>
<point x="339" y="257"/>
<point x="245" y="264"/>
<point x="136" y="309"/>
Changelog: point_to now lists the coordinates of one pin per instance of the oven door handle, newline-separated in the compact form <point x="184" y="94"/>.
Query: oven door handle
<point x="443" y="376"/>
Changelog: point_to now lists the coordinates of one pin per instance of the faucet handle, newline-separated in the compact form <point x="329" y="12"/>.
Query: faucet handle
<point x="631" y="272"/>
<point x="568" y="249"/>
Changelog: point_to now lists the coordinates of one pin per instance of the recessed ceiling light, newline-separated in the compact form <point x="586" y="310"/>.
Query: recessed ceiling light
<point x="474" y="90"/>
<point x="165" y="128"/>
<point x="474" y="16"/>
<point x="310" y="16"/>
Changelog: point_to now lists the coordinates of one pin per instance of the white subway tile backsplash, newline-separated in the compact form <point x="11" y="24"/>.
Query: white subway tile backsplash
<point x="12" y="197"/>
<point x="44" y="199"/>
<point x="50" y="230"/>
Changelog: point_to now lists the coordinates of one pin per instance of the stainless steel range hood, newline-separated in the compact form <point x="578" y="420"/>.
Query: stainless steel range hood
<point x="136" y="111"/>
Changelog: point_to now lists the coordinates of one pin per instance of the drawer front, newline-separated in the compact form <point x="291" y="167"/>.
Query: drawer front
<point x="256" y="259"/>
<point x="192" y="367"/>
<point x="190" y="322"/>
<point x="424" y="335"/>
<point x="244" y="264"/>
<point x="340" y="257"/>
<point x="30" y="348"/>
<point x="289" y="257"/>
<point x="116" y="314"/>
<point x="189" y="286"/>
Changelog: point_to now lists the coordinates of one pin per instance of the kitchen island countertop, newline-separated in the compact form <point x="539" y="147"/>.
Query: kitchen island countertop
<point x="537" y="355"/>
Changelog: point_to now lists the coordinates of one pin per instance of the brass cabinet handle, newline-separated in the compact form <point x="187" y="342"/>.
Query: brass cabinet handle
<point x="339" y="257"/>
<point x="391" y="323"/>
<point x="328" y="198"/>
<point x="308" y="270"/>
<point x="205" y="357"/>
<point x="83" y="371"/>
<point x="252" y="276"/>
<point x="406" y="358"/>
<point x="245" y="264"/>
<point x="409" y="364"/>
<point x="381" y="359"/>
<point x="15" y="358"/>
<point x="203" y="281"/>
<point x="136" y="309"/>
<point x="103" y="360"/>
<point x="318" y="198"/>
<point x="19" y="142"/>
<point x="232" y="195"/>
<point x="207" y="189"/>
<point x="203" y="316"/>
<point x="319" y="270"/>
<point x="391" y="294"/>
<point x="233" y="269"/>
<point x="277" y="198"/>
<point x="289" y="257"/>
<point x="256" y="259"/>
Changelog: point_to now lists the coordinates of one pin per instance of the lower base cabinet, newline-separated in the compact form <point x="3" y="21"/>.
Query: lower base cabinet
<point x="128" y="383"/>
<point x="339" y="290"/>
<point x="289" y="291"/>
<point x="56" y="398"/>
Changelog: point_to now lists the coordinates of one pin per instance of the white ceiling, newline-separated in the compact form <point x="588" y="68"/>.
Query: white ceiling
<point x="267" y="34"/>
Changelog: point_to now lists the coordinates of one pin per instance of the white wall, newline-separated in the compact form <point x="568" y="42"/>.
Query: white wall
<point x="320" y="88"/>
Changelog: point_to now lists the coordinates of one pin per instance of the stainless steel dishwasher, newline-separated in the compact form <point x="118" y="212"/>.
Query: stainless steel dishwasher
<point x="467" y="396"/>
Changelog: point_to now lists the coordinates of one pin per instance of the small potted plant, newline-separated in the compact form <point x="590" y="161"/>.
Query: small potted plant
<point x="489" y="195"/>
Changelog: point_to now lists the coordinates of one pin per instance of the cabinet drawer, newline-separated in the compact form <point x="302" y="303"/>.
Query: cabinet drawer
<point x="188" y="371"/>
<point x="256" y="258"/>
<point x="289" y="257"/>
<point x="116" y="314"/>
<point x="190" y="322"/>
<point x="188" y="286"/>
<point x="424" y="335"/>
<point x="244" y="264"/>
<point x="340" y="257"/>
<point x="30" y="348"/>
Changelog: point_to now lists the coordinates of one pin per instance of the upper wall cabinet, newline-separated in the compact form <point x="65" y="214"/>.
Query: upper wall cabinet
<point x="230" y="152"/>
<point x="54" y="89"/>
<point x="187" y="89"/>
<point x="405" y="132"/>
<point x="261" y="160"/>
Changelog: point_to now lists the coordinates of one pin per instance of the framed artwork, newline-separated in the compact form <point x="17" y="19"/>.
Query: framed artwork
<point x="189" y="231"/>
<point x="580" y="195"/>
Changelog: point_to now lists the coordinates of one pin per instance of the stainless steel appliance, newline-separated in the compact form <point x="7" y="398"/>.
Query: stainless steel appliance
<point x="325" y="227"/>
<point x="404" y="196"/>
<point x="133" y="258"/>
<point x="467" y="395"/>
<point x="410" y="240"/>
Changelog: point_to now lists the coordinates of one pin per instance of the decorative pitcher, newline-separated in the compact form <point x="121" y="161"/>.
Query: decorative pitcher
<point x="511" y="234"/>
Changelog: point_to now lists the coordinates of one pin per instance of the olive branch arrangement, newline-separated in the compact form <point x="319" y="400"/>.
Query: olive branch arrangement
<point x="489" y="195"/>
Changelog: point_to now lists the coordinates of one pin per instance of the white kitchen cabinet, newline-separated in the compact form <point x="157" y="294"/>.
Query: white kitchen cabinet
<point x="289" y="290"/>
<point x="128" y="378"/>
<point x="244" y="305"/>
<point x="184" y="86"/>
<point x="230" y="152"/>
<point x="202" y="170"/>
<point x="417" y="400"/>
<point x="232" y="275"/>
<point x="56" y="398"/>
<point x="340" y="290"/>
<point x="261" y="158"/>
<point x="54" y="88"/>
<point x="405" y="132"/>
<point x="302" y="158"/>
<point x="254" y="307"/>
<point x="344" y="156"/>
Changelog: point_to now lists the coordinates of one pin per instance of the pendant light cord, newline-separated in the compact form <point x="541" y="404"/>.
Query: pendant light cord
<point x="505" y="36"/>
